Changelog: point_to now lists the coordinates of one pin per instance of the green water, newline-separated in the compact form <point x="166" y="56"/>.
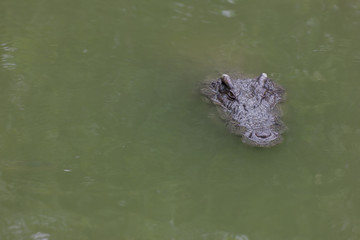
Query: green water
<point x="103" y="134"/>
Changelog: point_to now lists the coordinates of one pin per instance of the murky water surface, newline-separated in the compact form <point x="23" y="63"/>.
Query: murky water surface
<point x="103" y="134"/>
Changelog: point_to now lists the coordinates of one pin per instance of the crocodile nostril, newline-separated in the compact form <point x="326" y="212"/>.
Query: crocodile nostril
<point x="263" y="134"/>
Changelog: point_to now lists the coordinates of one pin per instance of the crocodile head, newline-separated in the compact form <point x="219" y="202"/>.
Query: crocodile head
<point x="249" y="107"/>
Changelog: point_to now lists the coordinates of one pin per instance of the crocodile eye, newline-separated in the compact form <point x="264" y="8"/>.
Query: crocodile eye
<point x="231" y="95"/>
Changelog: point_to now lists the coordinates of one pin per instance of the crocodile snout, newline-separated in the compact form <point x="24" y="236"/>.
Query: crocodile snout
<point x="262" y="137"/>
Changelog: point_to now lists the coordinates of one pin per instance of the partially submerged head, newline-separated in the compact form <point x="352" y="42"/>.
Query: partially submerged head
<point x="249" y="106"/>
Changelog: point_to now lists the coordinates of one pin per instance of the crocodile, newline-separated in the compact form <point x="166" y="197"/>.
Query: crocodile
<point x="250" y="107"/>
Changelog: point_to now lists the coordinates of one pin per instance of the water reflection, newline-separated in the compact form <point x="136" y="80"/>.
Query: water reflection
<point x="196" y="12"/>
<point x="7" y="57"/>
<point x="224" y="236"/>
<point x="40" y="236"/>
